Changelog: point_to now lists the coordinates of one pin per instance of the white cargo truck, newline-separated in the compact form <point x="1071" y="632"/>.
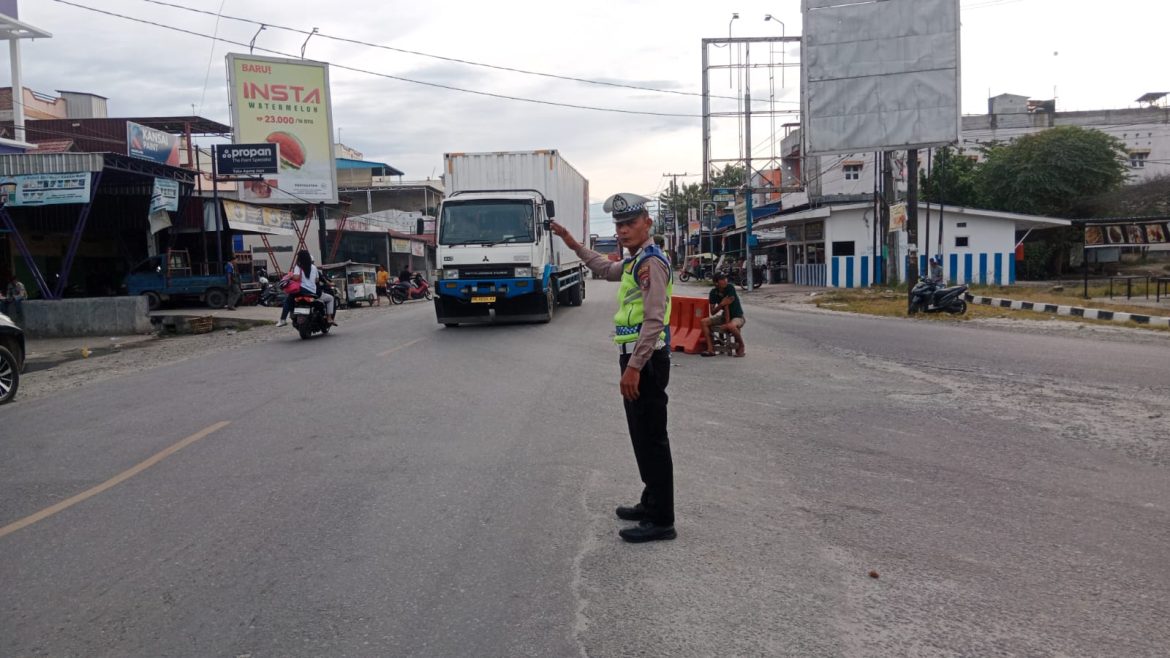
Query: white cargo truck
<point x="498" y="259"/>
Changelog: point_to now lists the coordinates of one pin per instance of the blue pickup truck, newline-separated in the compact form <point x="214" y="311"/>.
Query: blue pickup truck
<point x="165" y="277"/>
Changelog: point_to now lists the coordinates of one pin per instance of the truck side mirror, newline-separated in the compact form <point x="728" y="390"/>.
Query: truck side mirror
<point x="550" y="209"/>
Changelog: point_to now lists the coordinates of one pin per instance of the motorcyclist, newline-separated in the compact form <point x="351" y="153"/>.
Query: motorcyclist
<point x="936" y="272"/>
<point x="405" y="275"/>
<point x="310" y="278"/>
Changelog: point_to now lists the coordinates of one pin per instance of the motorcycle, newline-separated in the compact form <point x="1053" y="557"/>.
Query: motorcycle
<point x="308" y="316"/>
<point x="270" y="295"/>
<point x="739" y="277"/>
<point x="929" y="297"/>
<point x="417" y="288"/>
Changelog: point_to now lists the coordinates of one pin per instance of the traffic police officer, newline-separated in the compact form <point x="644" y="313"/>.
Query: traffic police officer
<point x="642" y="336"/>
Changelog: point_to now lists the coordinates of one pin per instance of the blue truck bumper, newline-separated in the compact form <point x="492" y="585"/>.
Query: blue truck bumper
<point x="463" y="301"/>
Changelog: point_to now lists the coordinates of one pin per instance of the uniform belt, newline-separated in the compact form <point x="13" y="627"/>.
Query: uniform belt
<point x="628" y="348"/>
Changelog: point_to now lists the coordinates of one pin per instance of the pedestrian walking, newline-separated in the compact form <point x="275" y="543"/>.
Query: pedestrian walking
<point x="642" y="336"/>
<point x="235" y="291"/>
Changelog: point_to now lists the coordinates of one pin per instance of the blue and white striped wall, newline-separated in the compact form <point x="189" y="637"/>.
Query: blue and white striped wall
<point x="969" y="268"/>
<point x="977" y="268"/>
<point x="852" y="271"/>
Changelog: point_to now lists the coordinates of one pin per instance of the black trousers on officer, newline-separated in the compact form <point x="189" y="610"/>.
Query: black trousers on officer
<point x="646" y="418"/>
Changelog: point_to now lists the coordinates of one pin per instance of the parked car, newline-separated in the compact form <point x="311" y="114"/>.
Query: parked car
<point x="11" y="358"/>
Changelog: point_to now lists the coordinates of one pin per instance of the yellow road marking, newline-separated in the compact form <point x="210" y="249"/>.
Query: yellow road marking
<point x="114" y="481"/>
<point x="400" y="347"/>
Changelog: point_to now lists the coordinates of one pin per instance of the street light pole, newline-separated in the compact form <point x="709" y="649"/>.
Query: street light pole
<point x="730" y="63"/>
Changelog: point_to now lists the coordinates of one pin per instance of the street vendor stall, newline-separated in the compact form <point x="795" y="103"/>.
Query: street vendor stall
<point x="360" y="281"/>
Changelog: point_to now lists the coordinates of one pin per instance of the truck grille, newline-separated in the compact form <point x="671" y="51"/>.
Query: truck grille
<point x="486" y="272"/>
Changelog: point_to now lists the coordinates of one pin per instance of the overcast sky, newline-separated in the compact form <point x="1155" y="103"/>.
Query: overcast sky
<point x="1095" y="55"/>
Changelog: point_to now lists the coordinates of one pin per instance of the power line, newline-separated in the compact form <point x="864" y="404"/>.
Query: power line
<point x="557" y="76"/>
<point x="376" y="73"/>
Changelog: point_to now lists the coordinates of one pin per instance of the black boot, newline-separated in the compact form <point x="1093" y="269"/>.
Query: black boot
<point x="647" y="531"/>
<point x="635" y="513"/>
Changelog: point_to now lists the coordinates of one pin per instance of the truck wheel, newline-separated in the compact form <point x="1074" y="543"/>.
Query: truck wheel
<point x="215" y="298"/>
<point x="576" y="294"/>
<point x="153" y="300"/>
<point x="9" y="376"/>
<point x="550" y="301"/>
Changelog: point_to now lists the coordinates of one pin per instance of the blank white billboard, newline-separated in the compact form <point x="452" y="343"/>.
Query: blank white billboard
<point x="880" y="74"/>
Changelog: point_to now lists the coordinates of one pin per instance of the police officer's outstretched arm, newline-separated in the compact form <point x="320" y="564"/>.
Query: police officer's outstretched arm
<point x="596" y="262"/>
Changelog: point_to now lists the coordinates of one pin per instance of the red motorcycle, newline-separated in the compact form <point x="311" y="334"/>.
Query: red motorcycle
<point x="417" y="288"/>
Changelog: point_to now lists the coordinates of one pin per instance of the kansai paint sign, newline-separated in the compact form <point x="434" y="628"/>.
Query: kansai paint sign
<point x="285" y="102"/>
<point x="152" y="144"/>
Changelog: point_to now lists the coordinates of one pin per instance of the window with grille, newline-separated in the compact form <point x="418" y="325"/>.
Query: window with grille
<point x="853" y="172"/>
<point x="1137" y="159"/>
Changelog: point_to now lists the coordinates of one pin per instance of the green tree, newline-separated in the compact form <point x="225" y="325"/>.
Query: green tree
<point x="1051" y="172"/>
<point x="731" y="176"/>
<point x="952" y="179"/>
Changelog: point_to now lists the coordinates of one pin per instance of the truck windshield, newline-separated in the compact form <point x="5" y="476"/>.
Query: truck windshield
<point x="486" y="222"/>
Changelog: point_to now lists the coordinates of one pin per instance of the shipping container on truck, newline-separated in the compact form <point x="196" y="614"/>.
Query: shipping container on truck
<point x="498" y="259"/>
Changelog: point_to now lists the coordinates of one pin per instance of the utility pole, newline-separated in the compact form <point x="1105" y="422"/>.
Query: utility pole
<point x="912" y="213"/>
<point x="747" y="169"/>
<point x="674" y="203"/>
<point x="888" y="198"/>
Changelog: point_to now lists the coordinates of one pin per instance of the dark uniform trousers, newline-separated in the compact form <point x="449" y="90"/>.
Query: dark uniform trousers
<point x="646" y="418"/>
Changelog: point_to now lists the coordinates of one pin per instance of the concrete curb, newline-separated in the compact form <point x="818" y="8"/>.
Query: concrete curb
<point x="1073" y="311"/>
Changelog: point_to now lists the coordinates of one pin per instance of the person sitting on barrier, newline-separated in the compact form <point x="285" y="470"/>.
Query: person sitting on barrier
<point x="726" y="313"/>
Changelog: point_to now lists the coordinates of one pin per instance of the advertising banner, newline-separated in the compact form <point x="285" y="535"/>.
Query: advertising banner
<point x="152" y="144"/>
<point x="692" y="221"/>
<point x="165" y="196"/>
<point x="741" y="215"/>
<point x="285" y="102"/>
<point x="418" y="248"/>
<point x="897" y="217"/>
<point x="247" y="159"/>
<point x="1137" y="234"/>
<point x="399" y="246"/>
<point x="243" y="217"/>
<point x="45" y="189"/>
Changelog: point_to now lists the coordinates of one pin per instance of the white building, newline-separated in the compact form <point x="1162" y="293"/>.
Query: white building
<point x="834" y="245"/>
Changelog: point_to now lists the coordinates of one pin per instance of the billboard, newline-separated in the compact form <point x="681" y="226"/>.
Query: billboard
<point x="1129" y="234"/>
<point x="879" y="75"/>
<point x="247" y="159"/>
<point x="45" y="189"/>
<point x="152" y="144"/>
<point x="285" y="102"/>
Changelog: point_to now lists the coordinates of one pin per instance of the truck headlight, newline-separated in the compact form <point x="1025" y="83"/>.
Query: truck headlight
<point x="451" y="273"/>
<point x="523" y="272"/>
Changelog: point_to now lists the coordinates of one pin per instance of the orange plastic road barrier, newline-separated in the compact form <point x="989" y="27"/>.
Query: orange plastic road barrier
<point x="686" y="334"/>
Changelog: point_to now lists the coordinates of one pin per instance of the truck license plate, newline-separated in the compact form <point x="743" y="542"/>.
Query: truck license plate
<point x="483" y="300"/>
<point x="300" y="311"/>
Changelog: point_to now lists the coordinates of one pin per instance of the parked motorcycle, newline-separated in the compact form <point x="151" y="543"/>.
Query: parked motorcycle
<point x="308" y="316"/>
<point x="270" y="295"/>
<point x="417" y="288"/>
<point x="929" y="297"/>
<point x="739" y="277"/>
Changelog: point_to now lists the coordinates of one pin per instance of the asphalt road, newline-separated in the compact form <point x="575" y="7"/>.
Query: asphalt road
<point x="397" y="488"/>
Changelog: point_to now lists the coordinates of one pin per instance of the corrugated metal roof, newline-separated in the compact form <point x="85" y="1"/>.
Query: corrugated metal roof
<point x="15" y="164"/>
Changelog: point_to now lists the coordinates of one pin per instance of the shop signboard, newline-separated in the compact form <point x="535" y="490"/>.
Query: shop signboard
<point x="692" y="221"/>
<point x="417" y="248"/>
<point x="1128" y="234"/>
<point x="741" y="215"/>
<point x="399" y="246"/>
<point x="247" y="159"/>
<point x="285" y="102"/>
<point x="152" y="144"/>
<point x="45" y="189"/>
<point x="723" y="194"/>
<point x="165" y="195"/>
